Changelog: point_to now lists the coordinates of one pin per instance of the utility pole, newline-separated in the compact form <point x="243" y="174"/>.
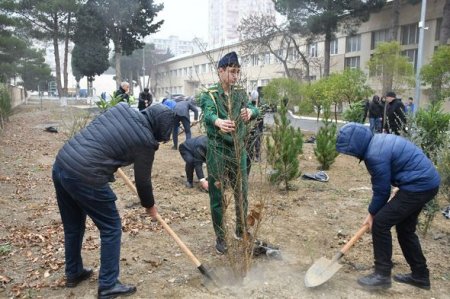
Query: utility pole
<point x="420" y="52"/>
<point x="143" y="68"/>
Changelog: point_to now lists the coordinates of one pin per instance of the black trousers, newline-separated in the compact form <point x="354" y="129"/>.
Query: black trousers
<point x="402" y="212"/>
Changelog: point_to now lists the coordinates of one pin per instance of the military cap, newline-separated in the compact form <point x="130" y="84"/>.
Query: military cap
<point x="229" y="59"/>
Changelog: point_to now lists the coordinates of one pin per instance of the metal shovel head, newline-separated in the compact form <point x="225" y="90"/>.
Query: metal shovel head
<point x="322" y="270"/>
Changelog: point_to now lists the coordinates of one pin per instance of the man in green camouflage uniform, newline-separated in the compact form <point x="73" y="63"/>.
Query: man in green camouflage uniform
<point x="225" y="113"/>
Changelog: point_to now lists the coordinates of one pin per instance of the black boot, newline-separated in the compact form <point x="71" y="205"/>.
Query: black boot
<point x="420" y="282"/>
<point x="116" y="290"/>
<point x="73" y="282"/>
<point x="221" y="246"/>
<point x="375" y="281"/>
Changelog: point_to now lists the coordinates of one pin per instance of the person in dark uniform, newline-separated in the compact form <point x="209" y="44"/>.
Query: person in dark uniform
<point x="82" y="171"/>
<point x="226" y="110"/>
<point x="193" y="152"/>
<point x="145" y="99"/>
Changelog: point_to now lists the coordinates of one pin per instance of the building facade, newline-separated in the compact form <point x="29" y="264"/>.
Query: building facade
<point x="174" y="45"/>
<point x="225" y="16"/>
<point x="189" y="74"/>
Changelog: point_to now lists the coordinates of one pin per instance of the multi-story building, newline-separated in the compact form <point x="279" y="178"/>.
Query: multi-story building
<point x="174" y="45"/>
<point x="189" y="74"/>
<point x="225" y="16"/>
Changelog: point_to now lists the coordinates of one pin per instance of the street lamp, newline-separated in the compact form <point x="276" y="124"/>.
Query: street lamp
<point x="420" y="52"/>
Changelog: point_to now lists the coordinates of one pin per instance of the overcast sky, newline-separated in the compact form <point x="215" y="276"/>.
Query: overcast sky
<point x="185" y="18"/>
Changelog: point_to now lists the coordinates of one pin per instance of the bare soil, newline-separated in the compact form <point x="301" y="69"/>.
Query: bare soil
<point x="314" y="221"/>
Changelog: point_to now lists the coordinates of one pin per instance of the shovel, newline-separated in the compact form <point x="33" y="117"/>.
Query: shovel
<point x="323" y="269"/>
<point x="208" y="274"/>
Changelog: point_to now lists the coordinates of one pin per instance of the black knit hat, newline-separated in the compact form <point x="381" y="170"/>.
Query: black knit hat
<point x="229" y="59"/>
<point x="391" y="94"/>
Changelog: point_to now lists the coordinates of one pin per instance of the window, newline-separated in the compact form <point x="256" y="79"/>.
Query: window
<point x="264" y="82"/>
<point x="352" y="62"/>
<point x="409" y="34"/>
<point x="379" y="37"/>
<point x="204" y="68"/>
<point x="412" y="55"/>
<point x="353" y="43"/>
<point x="254" y="59"/>
<point x="280" y="53"/>
<point x="437" y="35"/>
<point x="312" y="50"/>
<point x="267" y="58"/>
<point x="334" y="47"/>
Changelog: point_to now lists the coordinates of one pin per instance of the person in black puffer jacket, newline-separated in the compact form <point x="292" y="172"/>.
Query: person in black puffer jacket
<point x="375" y="114"/>
<point x="395" y="121"/>
<point x="83" y="169"/>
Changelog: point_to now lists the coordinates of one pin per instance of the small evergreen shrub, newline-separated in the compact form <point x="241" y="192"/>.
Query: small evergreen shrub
<point x="5" y="105"/>
<point x="325" y="150"/>
<point x="283" y="147"/>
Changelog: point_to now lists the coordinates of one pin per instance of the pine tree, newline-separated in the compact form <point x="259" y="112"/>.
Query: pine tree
<point x="325" y="150"/>
<point x="283" y="148"/>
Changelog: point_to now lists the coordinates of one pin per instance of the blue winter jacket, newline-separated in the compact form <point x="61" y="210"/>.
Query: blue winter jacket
<point x="391" y="161"/>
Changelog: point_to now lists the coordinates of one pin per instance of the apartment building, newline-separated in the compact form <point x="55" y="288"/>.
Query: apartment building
<point x="188" y="74"/>
<point x="225" y="16"/>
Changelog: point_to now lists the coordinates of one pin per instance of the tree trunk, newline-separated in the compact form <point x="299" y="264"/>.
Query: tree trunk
<point x="66" y="55"/>
<point x="387" y="83"/>
<point x="445" y="26"/>
<point x="57" y="59"/>
<point x="118" y="56"/>
<point x="130" y="80"/>
<point x="326" y="55"/>
<point x="395" y="19"/>
<point x="304" y="60"/>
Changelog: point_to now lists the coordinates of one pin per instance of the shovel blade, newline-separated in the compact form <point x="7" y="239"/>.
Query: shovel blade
<point x="321" y="271"/>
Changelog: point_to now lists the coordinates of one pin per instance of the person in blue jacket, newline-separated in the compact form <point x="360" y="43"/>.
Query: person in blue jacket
<point x="393" y="161"/>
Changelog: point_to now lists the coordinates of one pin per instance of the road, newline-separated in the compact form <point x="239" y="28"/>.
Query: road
<point x="308" y="124"/>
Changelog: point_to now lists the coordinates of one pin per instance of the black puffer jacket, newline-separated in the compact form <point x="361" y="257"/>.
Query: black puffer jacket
<point x="119" y="137"/>
<point x="395" y="117"/>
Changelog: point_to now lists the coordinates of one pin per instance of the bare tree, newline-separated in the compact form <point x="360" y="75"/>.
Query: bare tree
<point x="261" y="33"/>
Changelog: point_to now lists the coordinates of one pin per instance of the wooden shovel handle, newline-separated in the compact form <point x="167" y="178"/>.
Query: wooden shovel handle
<point x="355" y="238"/>
<point x="163" y="223"/>
<point x="178" y="240"/>
<point x="127" y="180"/>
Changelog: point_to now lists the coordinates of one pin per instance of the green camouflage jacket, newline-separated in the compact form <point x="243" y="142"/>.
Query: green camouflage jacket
<point x="215" y="104"/>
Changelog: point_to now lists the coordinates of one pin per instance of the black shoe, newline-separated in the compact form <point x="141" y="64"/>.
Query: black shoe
<point x="423" y="283"/>
<point x="73" y="282"/>
<point x="189" y="185"/>
<point x="375" y="281"/>
<point x="221" y="246"/>
<point x="174" y="147"/>
<point x="116" y="290"/>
